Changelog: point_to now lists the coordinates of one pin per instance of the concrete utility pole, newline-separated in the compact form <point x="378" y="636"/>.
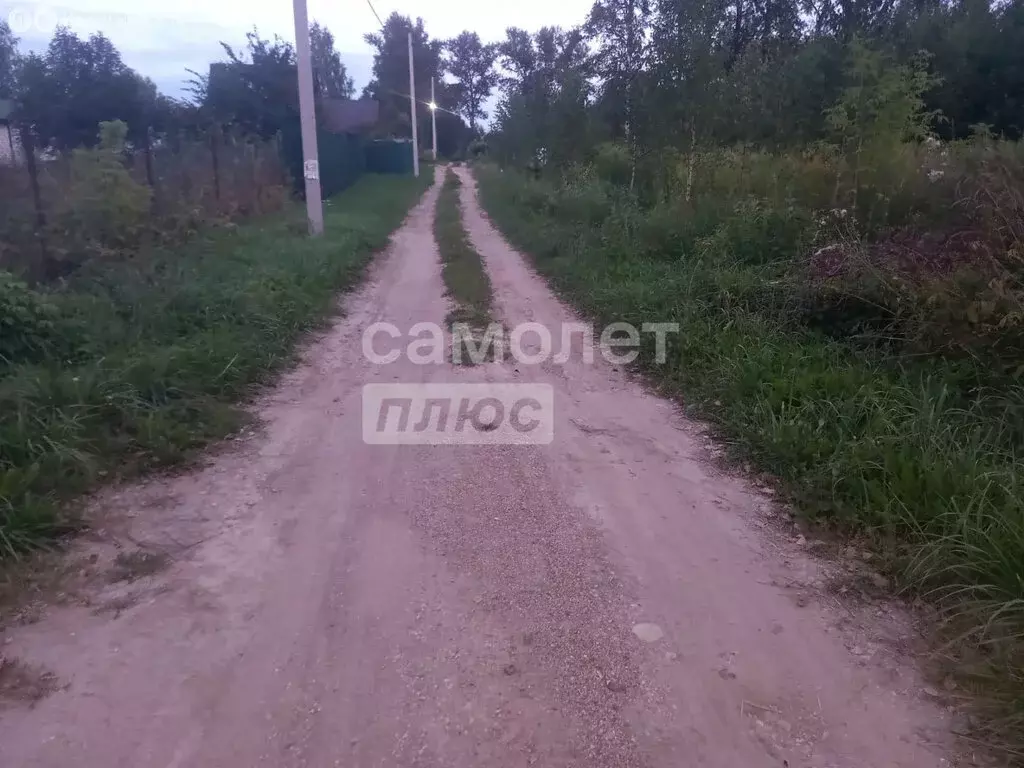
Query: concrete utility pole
<point x="412" y="108"/>
<point x="307" y="116"/>
<point x="433" y="116"/>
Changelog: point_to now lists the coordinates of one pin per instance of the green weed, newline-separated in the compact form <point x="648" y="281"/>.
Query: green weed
<point x="923" y="453"/>
<point x="156" y="351"/>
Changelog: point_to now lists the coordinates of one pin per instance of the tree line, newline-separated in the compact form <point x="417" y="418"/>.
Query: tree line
<point x="649" y="72"/>
<point x="682" y="73"/>
<point x="62" y="94"/>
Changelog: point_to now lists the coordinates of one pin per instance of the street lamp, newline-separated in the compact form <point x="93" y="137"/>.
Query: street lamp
<point x="433" y="117"/>
<point x="412" y="109"/>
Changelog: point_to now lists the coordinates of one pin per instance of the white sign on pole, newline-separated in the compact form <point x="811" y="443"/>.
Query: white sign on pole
<point x="311" y="170"/>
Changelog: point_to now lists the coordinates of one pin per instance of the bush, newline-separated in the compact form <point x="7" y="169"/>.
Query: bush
<point x="106" y="204"/>
<point x="756" y="233"/>
<point x="28" y="322"/>
<point x="612" y="163"/>
<point x="98" y="204"/>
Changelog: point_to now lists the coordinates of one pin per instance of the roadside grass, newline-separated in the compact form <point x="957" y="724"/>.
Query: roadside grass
<point x="140" y="362"/>
<point x="923" y="455"/>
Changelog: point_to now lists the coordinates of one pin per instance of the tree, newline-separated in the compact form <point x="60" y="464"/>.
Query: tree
<point x="686" y="70"/>
<point x="256" y="89"/>
<point x="517" y="57"/>
<point x="8" y="60"/>
<point x="67" y="92"/>
<point x="390" y="82"/>
<point x="332" y="79"/>
<point x="545" y="96"/>
<point x="453" y="135"/>
<point x="619" y="29"/>
<point x="978" y="52"/>
<point x="846" y="18"/>
<point x="471" y="63"/>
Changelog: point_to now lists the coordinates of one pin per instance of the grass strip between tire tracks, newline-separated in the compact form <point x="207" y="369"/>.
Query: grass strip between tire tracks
<point x="461" y="266"/>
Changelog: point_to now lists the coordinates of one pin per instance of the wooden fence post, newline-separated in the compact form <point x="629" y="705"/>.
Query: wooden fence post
<point x="216" y="162"/>
<point x="10" y="142"/>
<point x="147" y="148"/>
<point x="29" y="148"/>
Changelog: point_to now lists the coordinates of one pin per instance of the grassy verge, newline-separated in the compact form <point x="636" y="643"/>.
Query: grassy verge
<point x="919" y="454"/>
<point x="140" y="362"/>
<point x="461" y="266"/>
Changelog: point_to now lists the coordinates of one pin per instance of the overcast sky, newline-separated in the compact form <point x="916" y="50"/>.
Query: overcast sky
<point x="163" y="39"/>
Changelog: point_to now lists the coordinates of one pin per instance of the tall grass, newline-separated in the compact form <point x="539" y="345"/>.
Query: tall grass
<point x="139" y="362"/>
<point x="920" y="450"/>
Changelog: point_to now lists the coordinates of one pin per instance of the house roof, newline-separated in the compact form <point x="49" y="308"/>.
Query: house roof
<point x="349" y="115"/>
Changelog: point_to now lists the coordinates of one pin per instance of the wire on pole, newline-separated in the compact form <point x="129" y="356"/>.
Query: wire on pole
<point x="370" y="3"/>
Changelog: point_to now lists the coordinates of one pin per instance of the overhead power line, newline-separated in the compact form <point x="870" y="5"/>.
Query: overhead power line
<point x="370" y="3"/>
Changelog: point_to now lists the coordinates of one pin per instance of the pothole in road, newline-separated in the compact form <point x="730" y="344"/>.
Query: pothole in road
<point x="129" y="566"/>
<point x="649" y="633"/>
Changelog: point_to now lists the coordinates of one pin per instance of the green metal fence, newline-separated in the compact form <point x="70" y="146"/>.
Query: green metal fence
<point x="389" y="156"/>
<point x="344" y="157"/>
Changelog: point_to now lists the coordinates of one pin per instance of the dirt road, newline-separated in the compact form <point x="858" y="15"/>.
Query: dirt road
<point x="611" y="599"/>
